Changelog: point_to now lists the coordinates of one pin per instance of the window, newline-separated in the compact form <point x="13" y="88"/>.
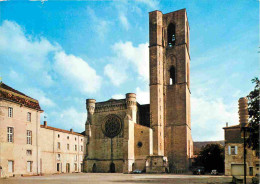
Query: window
<point x="232" y="150"/>
<point x="29" y="116"/>
<point x="58" y="145"/>
<point x="75" y="147"/>
<point x="172" y="75"/>
<point x="58" y="135"/>
<point x="58" y="156"/>
<point x="80" y="158"/>
<point x="81" y="140"/>
<point x="68" y="137"/>
<point x="171" y="35"/>
<point x="29" y="137"/>
<point x="139" y="144"/>
<point x="68" y="147"/>
<point x="10" y="166"/>
<point x="28" y="152"/>
<point x="75" y="138"/>
<point x="29" y="166"/>
<point x="10" y="134"/>
<point x="81" y="148"/>
<point x="10" y="112"/>
<point x="75" y="158"/>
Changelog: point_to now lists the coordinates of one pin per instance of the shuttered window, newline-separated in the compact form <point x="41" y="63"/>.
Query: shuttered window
<point x="236" y="150"/>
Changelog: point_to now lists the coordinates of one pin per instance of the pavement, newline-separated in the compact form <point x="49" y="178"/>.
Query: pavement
<point x="116" y="178"/>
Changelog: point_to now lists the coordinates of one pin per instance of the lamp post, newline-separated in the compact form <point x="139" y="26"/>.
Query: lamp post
<point x="243" y="120"/>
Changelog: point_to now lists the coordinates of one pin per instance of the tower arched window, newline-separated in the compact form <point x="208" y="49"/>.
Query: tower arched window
<point x="172" y="76"/>
<point x="171" y="35"/>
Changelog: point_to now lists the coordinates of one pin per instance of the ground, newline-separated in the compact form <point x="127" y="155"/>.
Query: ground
<point x="109" y="178"/>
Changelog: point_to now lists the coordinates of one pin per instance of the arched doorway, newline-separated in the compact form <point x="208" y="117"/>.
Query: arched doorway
<point x="112" y="168"/>
<point x="133" y="166"/>
<point x="171" y="168"/>
<point x="94" y="168"/>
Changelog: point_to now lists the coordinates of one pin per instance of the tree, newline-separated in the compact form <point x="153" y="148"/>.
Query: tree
<point x="254" y="113"/>
<point x="211" y="157"/>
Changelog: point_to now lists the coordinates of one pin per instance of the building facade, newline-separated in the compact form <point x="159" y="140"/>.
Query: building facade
<point x="116" y="139"/>
<point x="19" y="129"/>
<point x="234" y="154"/>
<point x="28" y="148"/>
<point x="122" y="135"/>
<point x="62" y="151"/>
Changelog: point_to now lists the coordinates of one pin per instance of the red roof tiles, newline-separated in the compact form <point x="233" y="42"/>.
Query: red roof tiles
<point x="10" y="94"/>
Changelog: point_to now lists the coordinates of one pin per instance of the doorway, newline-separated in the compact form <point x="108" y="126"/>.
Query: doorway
<point x="251" y="171"/>
<point x="112" y="168"/>
<point x="94" y="168"/>
<point x="133" y="166"/>
<point x="67" y="168"/>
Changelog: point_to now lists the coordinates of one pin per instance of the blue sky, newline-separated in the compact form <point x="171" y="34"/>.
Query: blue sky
<point x="63" y="52"/>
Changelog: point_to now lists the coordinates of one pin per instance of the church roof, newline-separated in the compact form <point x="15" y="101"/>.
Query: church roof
<point x="13" y="95"/>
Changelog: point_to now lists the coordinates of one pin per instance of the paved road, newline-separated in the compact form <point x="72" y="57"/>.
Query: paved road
<point x="116" y="178"/>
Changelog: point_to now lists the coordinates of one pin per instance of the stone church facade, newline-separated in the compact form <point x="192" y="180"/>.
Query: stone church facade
<point x="123" y="135"/>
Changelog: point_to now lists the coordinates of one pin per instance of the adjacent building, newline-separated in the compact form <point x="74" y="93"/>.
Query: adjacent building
<point x="62" y="151"/>
<point x="19" y="133"/>
<point x="28" y="148"/>
<point x="234" y="154"/>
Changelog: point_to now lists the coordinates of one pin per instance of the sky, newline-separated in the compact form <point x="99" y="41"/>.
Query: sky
<point x="64" y="52"/>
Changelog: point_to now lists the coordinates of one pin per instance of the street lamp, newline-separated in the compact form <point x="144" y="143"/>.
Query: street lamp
<point x="243" y="120"/>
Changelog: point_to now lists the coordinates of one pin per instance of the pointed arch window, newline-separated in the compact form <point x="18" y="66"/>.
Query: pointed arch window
<point x="171" y="35"/>
<point x="172" y="76"/>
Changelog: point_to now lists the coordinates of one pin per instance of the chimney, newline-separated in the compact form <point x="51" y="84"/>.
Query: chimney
<point x="243" y="111"/>
<point x="45" y="124"/>
<point x="71" y="130"/>
<point x="226" y="124"/>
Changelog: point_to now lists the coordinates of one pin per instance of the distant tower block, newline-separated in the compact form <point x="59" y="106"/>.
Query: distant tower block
<point x="243" y="111"/>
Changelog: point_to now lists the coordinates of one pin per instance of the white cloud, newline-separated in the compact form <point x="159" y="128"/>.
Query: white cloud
<point x="32" y="61"/>
<point x="124" y="21"/>
<point x="150" y="3"/>
<point x="142" y="96"/>
<point x="40" y="96"/>
<point x="31" y="53"/>
<point x="209" y="116"/>
<point x="137" y="56"/>
<point x="118" y="96"/>
<point x="116" y="73"/>
<point x="77" y="71"/>
<point x="71" y="118"/>
<point x="14" y="75"/>
<point x="126" y="56"/>
<point x="100" y="26"/>
<point x="22" y="51"/>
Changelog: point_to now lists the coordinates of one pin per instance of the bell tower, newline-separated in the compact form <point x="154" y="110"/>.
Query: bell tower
<point x="170" y="87"/>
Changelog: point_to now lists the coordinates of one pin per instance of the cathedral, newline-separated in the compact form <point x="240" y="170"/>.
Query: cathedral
<point x="123" y="135"/>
